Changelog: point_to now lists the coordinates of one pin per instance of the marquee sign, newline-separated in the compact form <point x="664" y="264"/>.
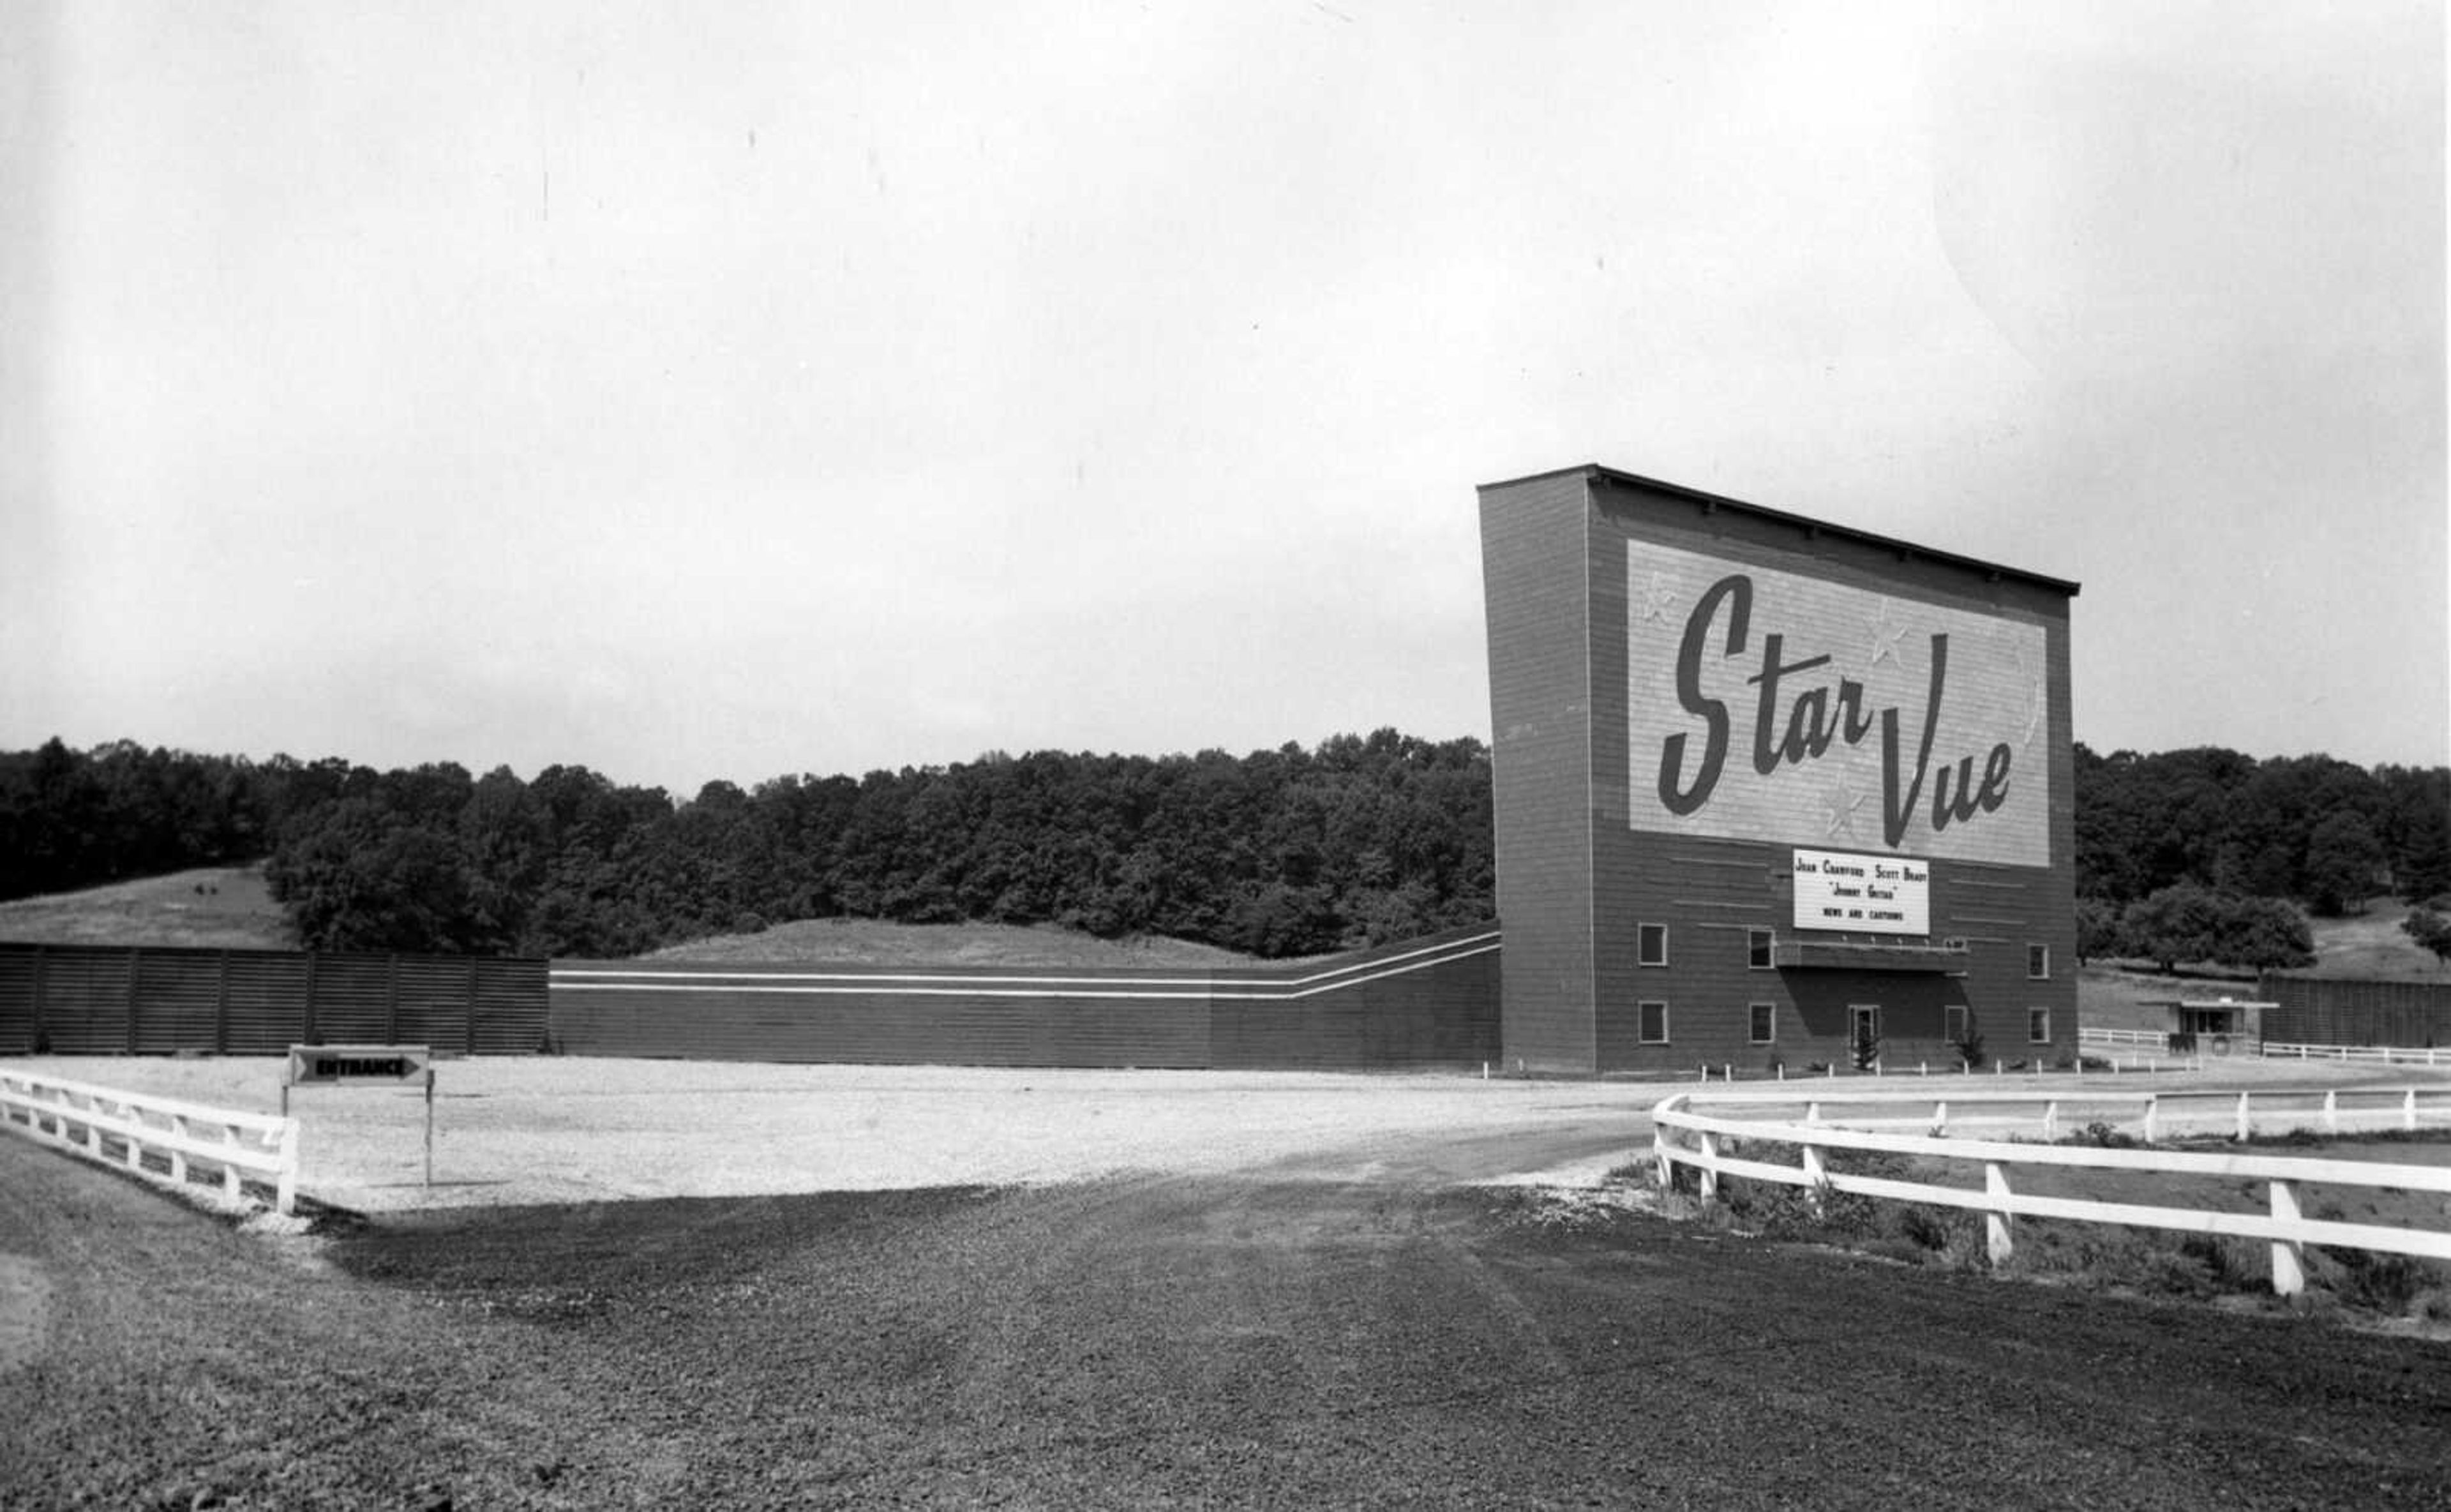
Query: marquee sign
<point x="1876" y="894"/>
<point x="1767" y="705"/>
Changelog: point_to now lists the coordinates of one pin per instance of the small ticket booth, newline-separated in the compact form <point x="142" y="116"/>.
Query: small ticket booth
<point x="2216" y="1026"/>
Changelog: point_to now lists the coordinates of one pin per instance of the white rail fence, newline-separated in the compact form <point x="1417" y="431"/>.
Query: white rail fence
<point x="2284" y="1226"/>
<point x="2158" y="1039"/>
<point x="2385" y="1055"/>
<point x="161" y="1139"/>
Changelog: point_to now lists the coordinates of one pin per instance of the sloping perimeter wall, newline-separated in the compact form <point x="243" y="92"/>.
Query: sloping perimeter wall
<point x="2319" y="1011"/>
<point x="1425" y="1002"/>
<point x="95" y="1000"/>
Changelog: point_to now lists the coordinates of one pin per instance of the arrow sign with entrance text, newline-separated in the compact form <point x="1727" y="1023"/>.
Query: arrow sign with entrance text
<point x="358" y="1063"/>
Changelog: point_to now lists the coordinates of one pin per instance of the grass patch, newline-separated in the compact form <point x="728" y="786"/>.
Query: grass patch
<point x="2362" y="1286"/>
<point x="1912" y="1233"/>
<point x="215" y="908"/>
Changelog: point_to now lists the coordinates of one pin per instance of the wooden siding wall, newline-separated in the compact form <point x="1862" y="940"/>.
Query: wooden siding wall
<point x="1533" y="540"/>
<point x="2319" y="1011"/>
<point x="1575" y="879"/>
<point x="1430" y="1002"/>
<point x="1710" y="891"/>
<point x="95" y="1000"/>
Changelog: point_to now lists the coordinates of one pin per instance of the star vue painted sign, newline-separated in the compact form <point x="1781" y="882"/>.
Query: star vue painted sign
<point x="1772" y="706"/>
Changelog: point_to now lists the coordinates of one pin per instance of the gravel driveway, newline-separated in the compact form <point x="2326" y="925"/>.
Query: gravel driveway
<point x="521" y="1131"/>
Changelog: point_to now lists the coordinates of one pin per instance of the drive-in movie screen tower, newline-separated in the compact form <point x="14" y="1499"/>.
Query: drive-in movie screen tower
<point x="1769" y="793"/>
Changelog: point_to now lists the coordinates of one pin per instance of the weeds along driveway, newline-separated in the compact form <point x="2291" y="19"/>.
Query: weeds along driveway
<point x="1133" y="1341"/>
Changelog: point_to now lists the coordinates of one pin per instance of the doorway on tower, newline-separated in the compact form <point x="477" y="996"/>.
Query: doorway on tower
<point x="1892" y="1020"/>
<point x="1864" y="1036"/>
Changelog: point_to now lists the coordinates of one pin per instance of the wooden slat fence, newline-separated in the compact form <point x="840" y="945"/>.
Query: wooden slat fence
<point x="99" y="1000"/>
<point x="1425" y="1002"/>
<point x="2320" y="1011"/>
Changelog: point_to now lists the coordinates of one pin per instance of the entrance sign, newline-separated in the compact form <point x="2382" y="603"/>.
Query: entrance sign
<point x="1876" y="894"/>
<point x="386" y="1065"/>
<point x="358" y="1063"/>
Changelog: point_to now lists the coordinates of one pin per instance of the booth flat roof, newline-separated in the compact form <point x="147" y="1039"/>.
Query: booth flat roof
<point x="2203" y="1002"/>
<point x="1596" y="473"/>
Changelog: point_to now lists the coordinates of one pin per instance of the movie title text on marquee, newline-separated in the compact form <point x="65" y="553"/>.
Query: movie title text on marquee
<point x="1769" y="705"/>
<point x="1877" y="894"/>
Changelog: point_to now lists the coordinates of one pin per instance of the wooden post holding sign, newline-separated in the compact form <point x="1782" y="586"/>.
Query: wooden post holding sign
<point x="390" y="1065"/>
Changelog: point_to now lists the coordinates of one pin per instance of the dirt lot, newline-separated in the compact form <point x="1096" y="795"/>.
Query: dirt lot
<point x="1201" y="1291"/>
<point x="519" y="1131"/>
<point x="542" y="1130"/>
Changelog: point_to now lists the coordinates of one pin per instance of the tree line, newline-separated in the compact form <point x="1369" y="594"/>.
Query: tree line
<point x="2207" y="854"/>
<point x="1357" y="840"/>
<point x="1290" y="851"/>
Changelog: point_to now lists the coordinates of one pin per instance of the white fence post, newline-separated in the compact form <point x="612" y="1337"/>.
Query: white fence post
<point x="2245" y="1125"/>
<point x="1816" y="1178"/>
<point x="2152" y="1106"/>
<point x="2288" y="1255"/>
<point x="2331" y="1111"/>
<point x="1710" y="1171"/>
<point x="285" y="1185"/>
<point x="1997" y="1237"/>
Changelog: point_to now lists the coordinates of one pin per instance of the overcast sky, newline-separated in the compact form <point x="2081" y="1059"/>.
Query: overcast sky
<point x="698" y="391"/>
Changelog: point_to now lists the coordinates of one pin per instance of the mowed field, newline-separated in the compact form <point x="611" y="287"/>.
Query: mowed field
<point x="641" y="1284"/>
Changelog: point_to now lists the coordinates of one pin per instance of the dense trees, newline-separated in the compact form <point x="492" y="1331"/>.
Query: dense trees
<point x="2184" y="922"/>
<point x="1284" y="852"/>
<point x="2430" y="930"/>
<point x="2310" y="828"/>
<point x="2190" y="854"/>
<point x="70" y="819"/>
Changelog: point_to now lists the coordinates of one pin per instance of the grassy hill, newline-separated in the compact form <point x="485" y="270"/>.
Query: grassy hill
<point x="2367" y="947"/>
<point x="228" y="908"/>
<point x="215" y="906"/>
<point x="2372" y="947"/>
<point x="877" y="942"/>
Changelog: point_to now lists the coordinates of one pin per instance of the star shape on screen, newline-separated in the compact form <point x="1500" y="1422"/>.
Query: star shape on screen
<point x="1886" y="636"/>
<point x="1656" y="599"/>
<point x="2037" y="699"/>
<point x="1842" y="800"/>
